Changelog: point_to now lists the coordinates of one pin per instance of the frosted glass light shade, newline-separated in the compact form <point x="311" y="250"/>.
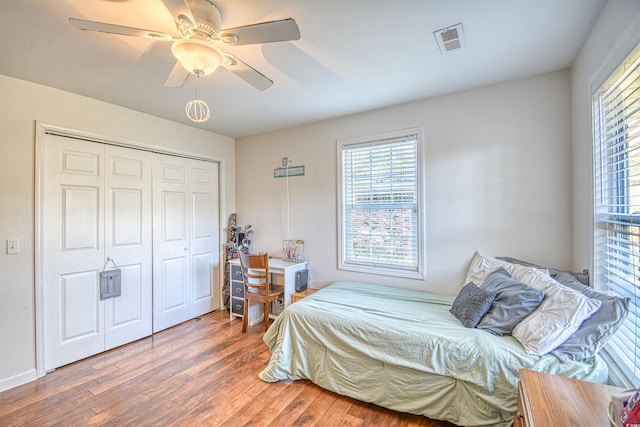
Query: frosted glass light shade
<point x="197" y="56"/>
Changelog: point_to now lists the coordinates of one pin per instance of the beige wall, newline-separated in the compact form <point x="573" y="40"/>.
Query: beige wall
<point x="498" y="179"/>
<point x="21" y="104"/>
<point x="613" y="37"/>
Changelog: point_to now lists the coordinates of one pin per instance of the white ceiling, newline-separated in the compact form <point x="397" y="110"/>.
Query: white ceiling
<point x="352" y="56"/>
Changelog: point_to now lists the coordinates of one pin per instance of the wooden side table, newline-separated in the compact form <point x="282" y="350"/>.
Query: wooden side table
<point x="299" y="295"/>
<point x="546" y="400"/>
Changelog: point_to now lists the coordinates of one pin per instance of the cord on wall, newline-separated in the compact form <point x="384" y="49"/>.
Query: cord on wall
<point x="290" y="248"/>
<point x="288" y="206"/>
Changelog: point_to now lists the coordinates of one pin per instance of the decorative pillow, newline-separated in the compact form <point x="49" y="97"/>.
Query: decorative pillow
<point x="596" y="330"/>
<point x="582" y="276"/>
<point x="471" y="304"/>
<point x="513" y="302"/>
<point x="557" y="318"/>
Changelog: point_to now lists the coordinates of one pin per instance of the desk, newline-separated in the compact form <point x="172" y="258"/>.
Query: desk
<point x="282" y="273"/>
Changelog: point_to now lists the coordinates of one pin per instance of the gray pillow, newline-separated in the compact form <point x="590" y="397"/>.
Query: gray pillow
<point x="595" y="331"/>
<point x="582" y="276"/>
<point x="514" y="301"/>
<point x="471" y="304"/>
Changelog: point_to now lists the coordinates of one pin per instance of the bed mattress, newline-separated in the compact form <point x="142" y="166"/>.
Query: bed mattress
<point x="403" y="350"/>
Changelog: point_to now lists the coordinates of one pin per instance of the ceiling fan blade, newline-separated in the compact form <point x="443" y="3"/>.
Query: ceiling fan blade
<point x="180" y="10"/>
<point x="266" y="32"/>
<point x="246" y="72"/>
<point x="83" y="24"/>
<point x="177" y="76"/>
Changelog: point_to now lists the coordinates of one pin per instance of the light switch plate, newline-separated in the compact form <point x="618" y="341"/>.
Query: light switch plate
<point x="13" y="246"/>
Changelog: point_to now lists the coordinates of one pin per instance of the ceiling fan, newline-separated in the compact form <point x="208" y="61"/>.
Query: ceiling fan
<point x="201" y="49"/>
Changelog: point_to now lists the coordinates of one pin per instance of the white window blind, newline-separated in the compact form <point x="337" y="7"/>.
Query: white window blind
<point x="380" y="222"/>
<point x="616" y="107"/>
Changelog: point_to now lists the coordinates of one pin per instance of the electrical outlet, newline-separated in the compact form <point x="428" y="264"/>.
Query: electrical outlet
<point x="13" y="246"/>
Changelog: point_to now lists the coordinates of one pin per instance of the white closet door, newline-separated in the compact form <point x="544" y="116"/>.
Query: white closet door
<point x="74" y="243"/>
<point x="204" y="238"/>
<point x="155" y="215"/>
<point x="186" y="240"/>
<point x="128" y="241"/>
<point x="97" y="204"/>
<point x="171" y="262"/>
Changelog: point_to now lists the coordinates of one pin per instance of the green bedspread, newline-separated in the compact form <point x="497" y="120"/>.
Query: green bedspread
<point x="404" y="350"/>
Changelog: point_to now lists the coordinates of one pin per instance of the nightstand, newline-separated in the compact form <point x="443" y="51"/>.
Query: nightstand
<point x="546" y="400"/>
<point x="299" y="295"/>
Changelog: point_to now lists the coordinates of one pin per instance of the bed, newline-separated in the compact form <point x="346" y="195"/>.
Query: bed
<point x="404" y="350"/>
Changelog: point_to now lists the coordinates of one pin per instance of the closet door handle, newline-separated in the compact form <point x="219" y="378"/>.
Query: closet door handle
<point x="186" y="249"/>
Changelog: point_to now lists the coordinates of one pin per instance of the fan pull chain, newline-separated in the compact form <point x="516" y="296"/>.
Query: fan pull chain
<point x="197" y="110"/>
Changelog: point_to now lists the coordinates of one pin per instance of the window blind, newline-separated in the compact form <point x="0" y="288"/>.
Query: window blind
<point x="380" y="203"/>
<point x="616" y="120"/>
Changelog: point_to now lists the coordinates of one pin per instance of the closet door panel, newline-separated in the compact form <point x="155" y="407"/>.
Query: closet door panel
<point x="174" y="283"/>
<point x="174" y="217"/>
<point x="204" y="238"/>
<point x="81" y="219"/>
<point x="128" y="217"/>
<point x="130" y="307"/>
<point x="73" y="239"/>
<point x="203" y="213"/>
<point x="128" y="242"/>
<point x="202" y="277"/>
<point x="171" y="271"/>
<point x="79" y="306"/>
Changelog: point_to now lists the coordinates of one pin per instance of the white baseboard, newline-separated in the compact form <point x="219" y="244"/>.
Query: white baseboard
<point x="16" y="380"/>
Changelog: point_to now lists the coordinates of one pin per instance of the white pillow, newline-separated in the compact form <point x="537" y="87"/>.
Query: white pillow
<point x="555" y="320"/>
<point x="481" y="266"/>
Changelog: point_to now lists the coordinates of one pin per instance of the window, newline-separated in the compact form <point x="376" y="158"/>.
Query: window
<point x="380" y="209"/>
<point x="616" y="121"/>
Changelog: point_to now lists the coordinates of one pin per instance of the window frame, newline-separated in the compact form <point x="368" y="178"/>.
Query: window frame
<point x="616" y="230"/>
<point x="380" y="139"/>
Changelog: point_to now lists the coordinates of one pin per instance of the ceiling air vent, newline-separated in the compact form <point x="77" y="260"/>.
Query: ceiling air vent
<point x="450" y="38"/>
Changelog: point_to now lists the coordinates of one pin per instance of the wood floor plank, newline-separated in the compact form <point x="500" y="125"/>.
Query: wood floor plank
<point x="337" y="413"/>
<point x="297" y="406"/>
<point x="229" y="393"/>
<point x="49" y="410"/>
<point x="227" y="412"/>
<point x="35" y="392"/>
<point x="279" y="403"/>
<point x="350" y="421"/>
<point x="259" y="411"/>
<point x="316" y="409"/>
<point x="201" y="373"/>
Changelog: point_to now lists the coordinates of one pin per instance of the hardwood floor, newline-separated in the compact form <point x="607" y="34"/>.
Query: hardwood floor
<point x="202" y="372"/>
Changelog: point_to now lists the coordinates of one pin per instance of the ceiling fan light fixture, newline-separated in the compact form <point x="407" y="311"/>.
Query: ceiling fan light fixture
<point x="197" y="55"/>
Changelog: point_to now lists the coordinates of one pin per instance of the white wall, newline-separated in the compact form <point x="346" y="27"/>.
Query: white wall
<point x="23" y="103"/>
<point x="615" y="34"/>
<point x="498" y="174"/>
